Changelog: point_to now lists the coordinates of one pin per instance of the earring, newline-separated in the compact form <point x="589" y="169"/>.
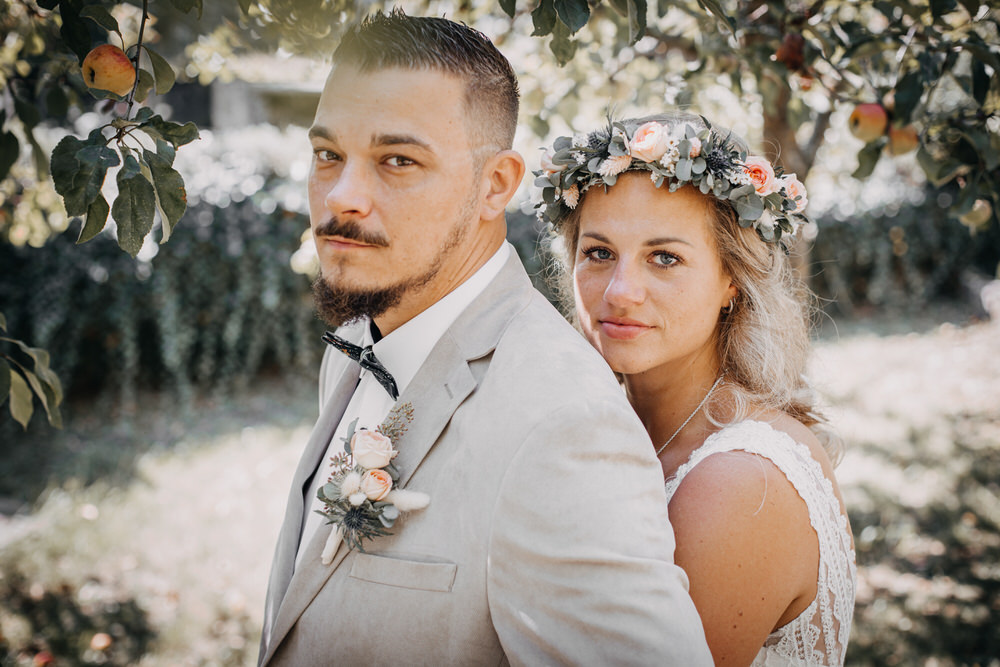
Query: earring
<point x="729" y="309"/>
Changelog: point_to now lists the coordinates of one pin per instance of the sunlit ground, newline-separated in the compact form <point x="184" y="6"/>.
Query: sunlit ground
<point x="189" y="537"/>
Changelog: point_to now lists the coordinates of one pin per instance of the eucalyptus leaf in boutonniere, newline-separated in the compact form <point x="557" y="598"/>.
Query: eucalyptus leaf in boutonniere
<point x="362" y="500"/>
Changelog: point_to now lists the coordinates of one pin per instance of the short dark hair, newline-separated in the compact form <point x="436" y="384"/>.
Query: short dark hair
<point x="383" y="41"/>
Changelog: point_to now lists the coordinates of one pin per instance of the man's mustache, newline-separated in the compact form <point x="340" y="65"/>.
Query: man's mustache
<point x="352" y="231"/>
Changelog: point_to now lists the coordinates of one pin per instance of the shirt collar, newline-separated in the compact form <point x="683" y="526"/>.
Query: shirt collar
<point x="404" y="350"/>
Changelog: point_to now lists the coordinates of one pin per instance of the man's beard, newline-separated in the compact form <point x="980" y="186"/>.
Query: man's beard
<point x="337" y="305"/>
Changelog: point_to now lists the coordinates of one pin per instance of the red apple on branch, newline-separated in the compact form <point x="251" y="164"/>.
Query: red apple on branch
<point x="108" y="68"/>
<point x="868" y="122"/>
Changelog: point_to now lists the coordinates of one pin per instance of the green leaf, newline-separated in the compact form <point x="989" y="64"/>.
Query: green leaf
<point x="909" y="90"/>
<point x="636" y="20"/>
<point x="56" y="101"/>
<point x="4" y="380"/>
<point x="543" y="17"/>
<point x="74" y="31"/>
<point x="867" y="159"/>
<point x="562" y="47"/>
<point x="101" y="17"/>
<point x="92" y="164"/>
<point x="573" y="13"/>
<point x="163" y="73"/>
<point x="64" y="164"/>
<point x="187" y="5"/>
<point x="10" y="149"/>
<point x="716" y="9"/>
<point x="97" y="218"/>
<point x="941" y="7"/>
<point x="508" y="7"/>
<point x="175" y="133"/>
<point x="21" y="406"/>
<point x="3" y="321"/>
<point x="27" y="112"/>
<point x="980" y="82"/>
<point x="134" y="207"/>
<point x="144" y="85"/>
<point x="43" y="396"/>
<point x="750" y="207"/>
<point x="171" y="197"/>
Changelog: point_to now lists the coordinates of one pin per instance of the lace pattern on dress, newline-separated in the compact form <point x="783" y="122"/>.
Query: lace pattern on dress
<point x="818" y="636"/>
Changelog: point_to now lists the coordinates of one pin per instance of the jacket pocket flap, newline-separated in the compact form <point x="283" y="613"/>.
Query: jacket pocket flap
<point x="420" y="575"/>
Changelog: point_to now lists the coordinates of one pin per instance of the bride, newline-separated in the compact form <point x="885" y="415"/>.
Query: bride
<point x="673" y="238"/>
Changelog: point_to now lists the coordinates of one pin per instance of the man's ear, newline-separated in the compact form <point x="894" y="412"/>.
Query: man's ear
<point x="502" y="175"/>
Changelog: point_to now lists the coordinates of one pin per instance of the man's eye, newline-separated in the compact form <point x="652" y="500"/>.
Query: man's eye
<point x="326" y="155"/>
<point x="399" y="161"/>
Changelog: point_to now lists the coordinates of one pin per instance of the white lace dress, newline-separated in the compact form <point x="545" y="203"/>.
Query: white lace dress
<point x="818" y="636"/>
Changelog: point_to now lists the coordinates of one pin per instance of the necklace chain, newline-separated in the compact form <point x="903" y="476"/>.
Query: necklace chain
<point x="691" y="416"/>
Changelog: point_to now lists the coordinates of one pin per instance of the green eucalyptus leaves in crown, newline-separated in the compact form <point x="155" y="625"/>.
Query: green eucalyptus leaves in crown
<point x="678" y="155"/>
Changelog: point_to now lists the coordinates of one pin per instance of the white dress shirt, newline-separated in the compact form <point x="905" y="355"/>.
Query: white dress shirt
<point x="402" y="352"/>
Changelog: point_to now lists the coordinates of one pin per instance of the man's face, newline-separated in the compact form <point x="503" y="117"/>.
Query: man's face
<point x="394" y="192"/>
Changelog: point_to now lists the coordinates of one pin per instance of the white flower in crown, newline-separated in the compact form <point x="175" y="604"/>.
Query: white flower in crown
<point x="571" y="196"/>
<point x="695" y="147"/>
<point x="614" y="165"/>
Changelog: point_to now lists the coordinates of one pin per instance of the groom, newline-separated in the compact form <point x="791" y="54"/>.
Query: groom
<point x="546" y="540"/>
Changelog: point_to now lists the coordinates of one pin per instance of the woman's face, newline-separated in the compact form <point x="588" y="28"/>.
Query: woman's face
<point x="648" y="281"/>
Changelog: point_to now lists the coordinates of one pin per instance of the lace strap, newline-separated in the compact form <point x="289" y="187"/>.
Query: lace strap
<point x="837" y="570"/>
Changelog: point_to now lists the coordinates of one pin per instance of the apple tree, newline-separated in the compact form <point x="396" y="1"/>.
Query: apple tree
<point x="919" y="75"/>
<point x="62" y="53"/>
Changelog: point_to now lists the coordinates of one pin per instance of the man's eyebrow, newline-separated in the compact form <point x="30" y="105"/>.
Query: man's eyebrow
<point x="400" y="139"/>
<point x="320" y="132"/>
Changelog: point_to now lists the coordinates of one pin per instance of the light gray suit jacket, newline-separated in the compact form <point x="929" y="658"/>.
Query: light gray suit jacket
<point x="546" y="540"/>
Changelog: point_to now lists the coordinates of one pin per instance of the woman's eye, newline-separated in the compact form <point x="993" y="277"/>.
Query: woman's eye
<point x="664" y="259"/>
<point x="600" y="254"/>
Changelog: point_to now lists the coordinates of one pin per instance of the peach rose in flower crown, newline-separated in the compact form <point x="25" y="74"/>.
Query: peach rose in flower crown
<point x="649" y="142"/>
<point x="548" y="165"/>
<point x="761" y="175"/>
<point x="371" y="449"/>
<point x="795" y="191"/>
<point x="376" y="484"/>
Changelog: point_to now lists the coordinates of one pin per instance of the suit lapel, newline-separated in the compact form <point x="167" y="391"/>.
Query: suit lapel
<point x="343" y="385"/>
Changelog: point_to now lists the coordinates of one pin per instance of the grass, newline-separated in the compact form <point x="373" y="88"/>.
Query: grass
<point x="148" y="540"/>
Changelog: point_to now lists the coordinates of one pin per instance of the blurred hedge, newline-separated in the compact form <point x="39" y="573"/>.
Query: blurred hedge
<point x="900" y="258"/>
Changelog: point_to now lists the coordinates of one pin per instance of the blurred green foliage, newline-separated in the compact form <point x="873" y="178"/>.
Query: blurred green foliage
<point x="933" y="580"/>
<point x="900" y="257"/>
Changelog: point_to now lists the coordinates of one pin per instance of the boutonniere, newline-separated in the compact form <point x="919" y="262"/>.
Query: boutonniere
<point x="361" y="500"/>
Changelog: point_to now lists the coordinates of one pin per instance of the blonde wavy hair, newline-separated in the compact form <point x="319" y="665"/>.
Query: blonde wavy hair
<point x="763" y="341"/>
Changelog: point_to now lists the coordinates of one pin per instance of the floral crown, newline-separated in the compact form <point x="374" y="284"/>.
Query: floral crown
<point x="760" y="194"/>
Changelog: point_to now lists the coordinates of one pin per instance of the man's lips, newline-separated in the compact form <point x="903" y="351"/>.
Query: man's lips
<point x="623" y="328"/>
<point x="342" y="243"/>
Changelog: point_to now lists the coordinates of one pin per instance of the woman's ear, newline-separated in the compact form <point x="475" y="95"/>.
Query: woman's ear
<point x="502" y="175"/>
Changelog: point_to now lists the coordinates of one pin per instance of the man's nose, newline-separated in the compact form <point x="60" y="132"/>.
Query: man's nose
<point x="351" y="193"/>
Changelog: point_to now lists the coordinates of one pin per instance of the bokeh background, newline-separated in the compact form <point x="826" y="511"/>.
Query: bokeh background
<point x="142" y="531"/>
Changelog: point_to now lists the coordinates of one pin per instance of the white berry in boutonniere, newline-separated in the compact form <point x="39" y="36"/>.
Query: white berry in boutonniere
<point x="361" y="500"/>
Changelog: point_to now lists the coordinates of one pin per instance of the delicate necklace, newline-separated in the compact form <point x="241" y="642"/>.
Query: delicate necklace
<point x="690" y="417"/>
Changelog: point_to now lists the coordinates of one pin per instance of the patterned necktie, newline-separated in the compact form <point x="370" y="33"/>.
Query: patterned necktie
<point x="366" y="358"/>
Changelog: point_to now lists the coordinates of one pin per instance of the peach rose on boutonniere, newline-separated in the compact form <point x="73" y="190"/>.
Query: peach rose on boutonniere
<point x="795" y="191"/>
<point x="376" y="484"/>
<point x="761" y="175"/>
<point x="371" y="449"/>
<point x="649" y="142"/>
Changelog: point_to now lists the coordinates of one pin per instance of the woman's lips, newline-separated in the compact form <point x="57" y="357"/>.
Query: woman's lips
<point x="623" y="329"/>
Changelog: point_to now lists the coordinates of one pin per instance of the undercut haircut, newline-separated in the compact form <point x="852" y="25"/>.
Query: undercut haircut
<point x="395" y="40"/>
